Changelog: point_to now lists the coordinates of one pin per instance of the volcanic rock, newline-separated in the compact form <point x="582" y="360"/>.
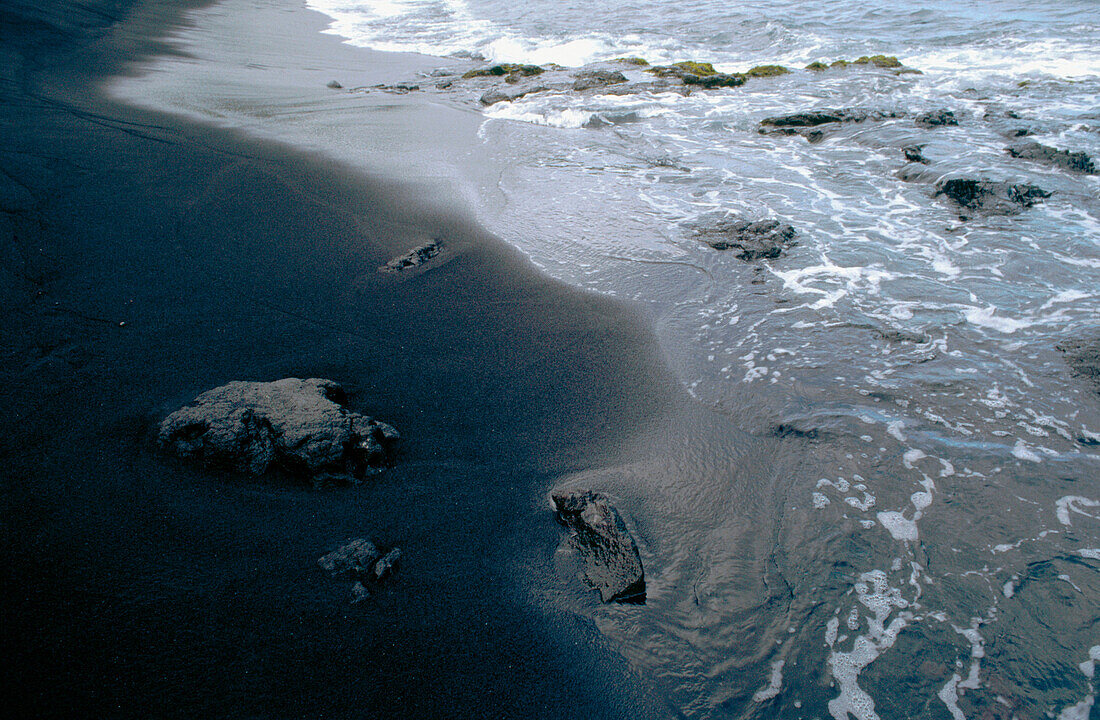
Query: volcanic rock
<point x="936" y="118"/>
<point x="752" y="240"/>
<point x="353" y="559"/>
<point x="612" y="564"/>
<point x="414" y="258"/>
<point x="1083" y="358"/>
<point x="598" y="78"/>
<point x="989" y="197"/>
<point x="298" y="426"/>
<point x="1075" y="161"/>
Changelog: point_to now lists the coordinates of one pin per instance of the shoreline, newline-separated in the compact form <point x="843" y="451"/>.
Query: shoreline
<point x="154" y="258"/>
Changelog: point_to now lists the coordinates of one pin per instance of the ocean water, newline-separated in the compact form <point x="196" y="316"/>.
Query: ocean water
<point x="925" y="539"/>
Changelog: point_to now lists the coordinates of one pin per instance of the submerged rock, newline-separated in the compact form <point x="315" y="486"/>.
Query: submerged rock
<point x="386" y="564"/>
<point x="821" y="117"/>
<point x="753" y="240"/>
<point x="334" y="84"/>
<point x="414" y="258"/>
<point x="598" y="78"/>
<point x="715" y="81"/>
<point x="989" y="197"/>
<point x="612" y="564"/>
<point x="936" y="118"/>
<point x="298" y="426"/>
<point x="1075" y="161"/>
<point x="1083" y="358"/>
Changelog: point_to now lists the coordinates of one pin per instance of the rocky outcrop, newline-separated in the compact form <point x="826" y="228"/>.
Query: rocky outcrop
<point x="508" y="94"/>
<point x="988" y="197"/>
<point x="300" y="427"/>
<point x="936" y="118"/>
<point x="813" y="124"/>
<point x="413" y="258"/>
<point x="360" y="560"/>
<point x="598" y="78"/>
<point x="701" y="74"/>
<point x="505" y="70"/>
<point x="752" y="240"/>
<point x="1073" y="161"/>
<point x="612" y="564"/>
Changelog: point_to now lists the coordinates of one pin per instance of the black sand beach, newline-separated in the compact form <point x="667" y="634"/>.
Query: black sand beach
<point x="146" y="259"/>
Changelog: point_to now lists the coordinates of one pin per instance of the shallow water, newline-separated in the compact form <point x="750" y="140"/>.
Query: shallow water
<point x="908" y="524"/>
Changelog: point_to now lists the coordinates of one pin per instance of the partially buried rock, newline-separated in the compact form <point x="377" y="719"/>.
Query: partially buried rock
<point x="1075" y="161"/>
<point x="612" y="564"/>
<point x="353" y="559"/>
<point x="301" y="427"/>
<point x="334" y="85"/>
<point x="936" y="118"/>
<point x="989" y="197"/>
<point x="414" y="258"/>
<point x="752" y="240"/>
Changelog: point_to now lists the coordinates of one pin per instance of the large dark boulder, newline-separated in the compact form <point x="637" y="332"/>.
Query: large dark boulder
<point x="989" y="197"/>
<point x="611" y="561"/>
<point x="1074" y="161"/>
<point x="298" y="426"/>
<point x="752" y="240"/>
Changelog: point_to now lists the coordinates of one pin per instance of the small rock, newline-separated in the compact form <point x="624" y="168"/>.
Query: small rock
<point x="413" y="258"/>
<point x="386" y="565"/>
<point x="913" y="154"/>
<point x="599" y="78"/>
<point x="612" y="564"/>
<point x="752" y="240"/>
<point x="989" y="197"/>
<point x="1074" y="161"/>
<point x="936" y="118"/>
<point x="353" y="559"/>
<point x="298" y="426"/>
<point x="335" y="85"/>
<point x="359" y="593"/>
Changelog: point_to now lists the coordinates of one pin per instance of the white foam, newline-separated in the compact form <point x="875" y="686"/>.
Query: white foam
<point x="775" y="684"/>
<point x="1021" y="451"/>
<point x="1073" y="503"/>
<point x="900" y="527"/>
<point x="875" y="593"/>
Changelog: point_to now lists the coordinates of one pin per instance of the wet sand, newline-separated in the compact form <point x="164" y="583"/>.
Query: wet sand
<point x="147" y="258"/>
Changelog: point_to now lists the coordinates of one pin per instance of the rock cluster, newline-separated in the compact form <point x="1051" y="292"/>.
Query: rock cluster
<point x="360" y="560"/>
<point x="612" y="564"/>
<point x="300" y="427"/>
<point x="1083" y="358"/>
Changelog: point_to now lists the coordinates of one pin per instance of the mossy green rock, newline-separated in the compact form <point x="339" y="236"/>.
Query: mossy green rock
<point x="696" y="68"/>
<point x="767" y="71"/>
<point x="504" y="69"/>
<point x="817" y="66"/>
<point x="881" y="61"/>
<point x="640" y="62"/>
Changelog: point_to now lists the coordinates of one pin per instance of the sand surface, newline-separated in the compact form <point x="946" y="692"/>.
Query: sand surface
<point x="147" y="257"/>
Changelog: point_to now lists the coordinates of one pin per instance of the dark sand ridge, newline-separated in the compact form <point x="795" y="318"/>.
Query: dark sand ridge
<point x="146" y="259"/>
